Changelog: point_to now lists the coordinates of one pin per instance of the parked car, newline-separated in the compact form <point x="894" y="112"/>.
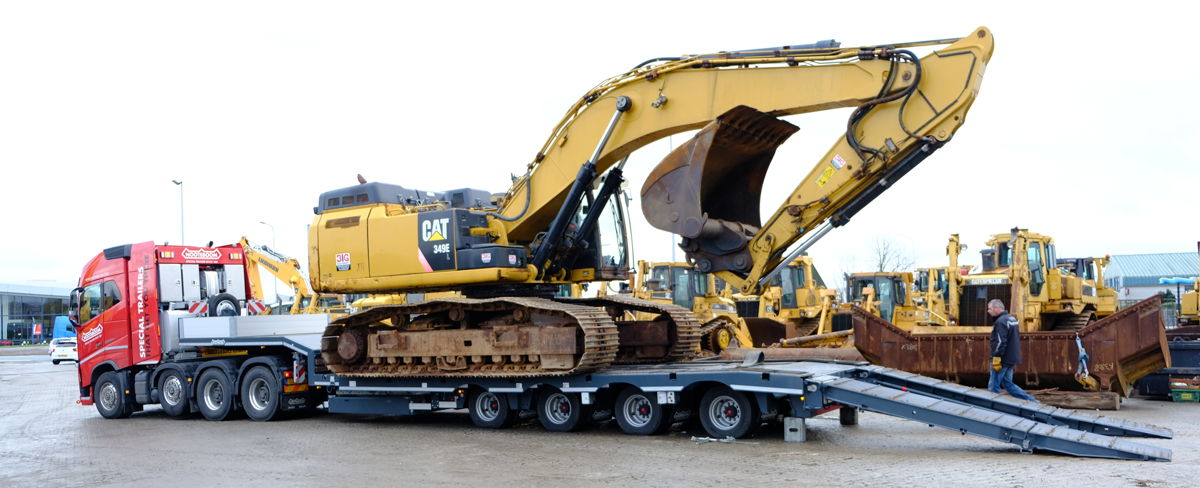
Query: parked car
<point x="63" y="349"/>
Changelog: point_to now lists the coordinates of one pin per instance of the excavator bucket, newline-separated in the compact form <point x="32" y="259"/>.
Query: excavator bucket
<point x="707" y="189"/>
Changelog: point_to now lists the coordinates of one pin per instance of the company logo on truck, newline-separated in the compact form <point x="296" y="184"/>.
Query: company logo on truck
<point x="205" y="254"/>
<point x="92" y="333"/>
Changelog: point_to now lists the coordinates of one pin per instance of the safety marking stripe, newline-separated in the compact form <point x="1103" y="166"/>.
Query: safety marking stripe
<point x="109" y="348"/>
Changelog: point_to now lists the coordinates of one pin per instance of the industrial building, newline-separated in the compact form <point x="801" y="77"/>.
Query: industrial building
<point x="23" y="307"/>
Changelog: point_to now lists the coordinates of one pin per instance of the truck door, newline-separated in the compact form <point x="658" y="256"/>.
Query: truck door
<point x="103" y="324"/>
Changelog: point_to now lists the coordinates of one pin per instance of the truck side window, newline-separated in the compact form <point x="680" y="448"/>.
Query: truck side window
<point x="96" y="299"/>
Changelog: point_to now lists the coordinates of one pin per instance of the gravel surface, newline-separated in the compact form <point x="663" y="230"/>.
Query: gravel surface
<point x="46" y="439"/>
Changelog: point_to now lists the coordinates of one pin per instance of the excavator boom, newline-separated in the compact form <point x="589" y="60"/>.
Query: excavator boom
<point x="905" y="108"/>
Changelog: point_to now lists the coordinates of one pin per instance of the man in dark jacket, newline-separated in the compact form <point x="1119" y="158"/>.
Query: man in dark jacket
<point x="1006" y="351"/>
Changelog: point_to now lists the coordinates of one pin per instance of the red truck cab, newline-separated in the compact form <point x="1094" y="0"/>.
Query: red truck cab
<point x="125" y="290"/>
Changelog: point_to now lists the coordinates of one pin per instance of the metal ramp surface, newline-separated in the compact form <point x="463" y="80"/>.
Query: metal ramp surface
<point x="1027" y="425"/>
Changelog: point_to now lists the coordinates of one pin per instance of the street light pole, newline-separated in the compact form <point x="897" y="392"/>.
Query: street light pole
<point x="274" y="281"/>
<point x="180" y="184"/>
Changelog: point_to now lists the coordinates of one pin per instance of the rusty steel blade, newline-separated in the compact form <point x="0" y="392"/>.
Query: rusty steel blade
<point x="707" y="190"/>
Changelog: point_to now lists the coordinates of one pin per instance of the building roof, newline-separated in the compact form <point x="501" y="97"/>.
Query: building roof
<point x="1145" y="269"/>
<point x="49" y="290"/>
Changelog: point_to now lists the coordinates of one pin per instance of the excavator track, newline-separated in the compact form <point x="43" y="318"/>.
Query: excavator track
<point x="683" y="331"/>
<point x="461" y="337"/>
<point x="710" y="338"/>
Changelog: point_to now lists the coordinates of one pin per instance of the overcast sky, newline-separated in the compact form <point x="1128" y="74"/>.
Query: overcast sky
<point x="1084" y="128"/>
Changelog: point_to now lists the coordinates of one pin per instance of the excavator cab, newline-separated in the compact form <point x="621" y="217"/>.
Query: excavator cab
<point x="890" y="291"/>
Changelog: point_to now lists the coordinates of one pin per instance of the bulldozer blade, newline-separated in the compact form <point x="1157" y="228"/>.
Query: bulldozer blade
<point x="1121" y="348"/>
<point x="707" y="189"/>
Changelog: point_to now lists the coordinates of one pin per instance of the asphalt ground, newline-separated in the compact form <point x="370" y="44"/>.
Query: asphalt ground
<point x="47" y="439"/>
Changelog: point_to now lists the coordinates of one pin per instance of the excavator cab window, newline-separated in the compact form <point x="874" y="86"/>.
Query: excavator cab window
<point x="660" y="282"/>
<point x="1037" y="273"/>
<point x="942" y="285"/>
<point x="820" y="283"/>
<point x="614" y="244"/>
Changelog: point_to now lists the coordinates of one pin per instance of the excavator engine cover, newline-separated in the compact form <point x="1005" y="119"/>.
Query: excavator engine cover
<point x="707" y="189"/>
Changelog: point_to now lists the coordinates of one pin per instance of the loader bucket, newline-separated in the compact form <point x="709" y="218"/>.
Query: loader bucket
<point x="1122" y="347"/>
<point x="707" y="189"/>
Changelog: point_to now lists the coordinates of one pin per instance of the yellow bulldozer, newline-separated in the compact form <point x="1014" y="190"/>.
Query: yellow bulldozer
<point x="1073" y="336"/>
<point x="681" y="284"/>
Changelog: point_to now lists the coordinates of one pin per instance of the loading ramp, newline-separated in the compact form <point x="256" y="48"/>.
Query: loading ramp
<point x="1028" y="425"/>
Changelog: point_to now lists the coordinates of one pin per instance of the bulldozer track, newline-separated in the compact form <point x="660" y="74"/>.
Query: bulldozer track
<point x="1074" y="322"/>
<point x="599" y="338"/>
<point x="685" y="337"/>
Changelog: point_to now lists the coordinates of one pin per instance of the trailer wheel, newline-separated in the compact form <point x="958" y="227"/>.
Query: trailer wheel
<point x="223" y="305"/>
<point x="111" y="401"/>
<point x="214" y="395"/>
<point x="260" y="394"/>
<point x="561" y="412"/>
<point x="727" y="413"/>
<point x="490" y="410"/>
<point x="638" y="414"/>
<point x="173" y="394"/>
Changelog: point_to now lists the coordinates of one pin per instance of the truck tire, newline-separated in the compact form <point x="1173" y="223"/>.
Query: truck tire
<point x="56" y="361"/>
<point x="214" y="395"/>
<point x="727" y="413"/>
<point x="110" y="399"/>
<point x="490" y="410"/>
<point x="173" y="394"/>
<point x="223" y="305"/>
<point x="561" y="412"/>
<point x="260" y="394"/>
<point x="638" y="414"/>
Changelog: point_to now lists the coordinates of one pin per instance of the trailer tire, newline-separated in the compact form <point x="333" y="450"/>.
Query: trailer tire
<point x="110" y="399"/>
<point x="561" y="412"/>
<point x="260" y="394"/>
<point x="727" y="413"/>
<point x="173" y="394"/>
<point x="490" y="410"/>
<point x="214" y="395"/>
<point x="638" y="414"/>
<point x="223" y="305"/>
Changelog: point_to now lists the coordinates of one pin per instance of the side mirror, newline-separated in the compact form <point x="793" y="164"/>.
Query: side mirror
<point x="73" y="307"/>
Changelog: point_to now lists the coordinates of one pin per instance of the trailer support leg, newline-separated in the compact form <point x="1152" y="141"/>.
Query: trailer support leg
<point x="793" y="429"/>
<point x="848" y="415"/>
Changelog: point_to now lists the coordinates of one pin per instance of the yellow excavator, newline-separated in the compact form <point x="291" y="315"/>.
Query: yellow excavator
<point x="563" y="221"/>
<point x="287" y="270"/>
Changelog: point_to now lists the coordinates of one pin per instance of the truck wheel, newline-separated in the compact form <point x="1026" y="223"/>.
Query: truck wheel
<point x="111" y="401"/>
<point x="638" y="414"/>
<point x="55" y="361"/>
<point x="214" y="395"/>
<point x="490" y="410"/>
<point x="260" y="394"/>
<point x="223" y="305"/>
<point x="173" y="394"/>
<point x="727" y="413"/>
<point x="561" y="412"/>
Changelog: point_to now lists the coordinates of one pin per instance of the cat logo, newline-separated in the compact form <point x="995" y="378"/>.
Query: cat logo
<point x="434" y="229"/>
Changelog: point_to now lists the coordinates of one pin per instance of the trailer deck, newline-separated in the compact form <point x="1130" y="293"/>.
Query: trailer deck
<point x="808" y="388"/>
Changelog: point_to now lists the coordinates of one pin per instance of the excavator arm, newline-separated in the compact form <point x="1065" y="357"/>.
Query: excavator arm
<point x="706" y="191"/>
<point x="284" y="269"/>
